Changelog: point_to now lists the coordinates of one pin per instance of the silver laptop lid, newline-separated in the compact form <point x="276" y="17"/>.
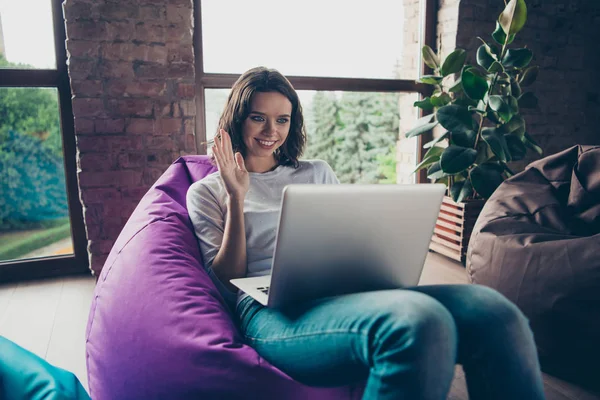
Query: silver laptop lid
<point x="335" y="239"/>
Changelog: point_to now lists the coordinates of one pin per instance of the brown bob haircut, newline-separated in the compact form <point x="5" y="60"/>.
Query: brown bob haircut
<point x="237" y="108"/>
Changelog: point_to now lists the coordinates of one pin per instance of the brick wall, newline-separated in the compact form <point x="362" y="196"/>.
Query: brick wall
<point x="131" y="66"/>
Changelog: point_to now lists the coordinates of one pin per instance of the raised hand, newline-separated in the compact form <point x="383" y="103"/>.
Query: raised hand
<point x="232" y="168"/>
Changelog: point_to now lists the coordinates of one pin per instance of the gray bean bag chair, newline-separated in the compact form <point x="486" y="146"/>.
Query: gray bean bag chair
<point x="537" y="241"/>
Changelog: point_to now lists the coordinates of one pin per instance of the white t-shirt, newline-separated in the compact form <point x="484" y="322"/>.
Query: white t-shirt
<point x="207" y="206"/>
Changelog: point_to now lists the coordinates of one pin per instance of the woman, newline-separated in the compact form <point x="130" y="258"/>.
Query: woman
<point x="404" y="342"/>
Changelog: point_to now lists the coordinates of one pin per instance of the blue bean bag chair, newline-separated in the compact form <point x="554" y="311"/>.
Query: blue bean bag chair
<point x="25" y="376"/>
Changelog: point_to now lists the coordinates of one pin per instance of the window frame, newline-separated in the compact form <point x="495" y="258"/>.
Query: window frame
<point x="76" y="263"/>
<point x="427" y="35"/>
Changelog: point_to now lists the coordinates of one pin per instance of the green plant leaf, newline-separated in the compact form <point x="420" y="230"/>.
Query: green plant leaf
<point x="423" y="125"/>
<point x="499" y="35"/>
<point x="464" y="139"/>
<point x="515" y="88"/>
<point x="515" y="127"/>
<point x="455" y="118"/>
<point x="495" y="139"/>
<point x="432" y="156"/>
<point x="454" y="62"/>
<point x="435" y="171"/>
<point x="461" y="190"/>
<point x="496" y="67"/>
<point x="430" y="58"/>
<point x="529" y="75"/>
<point x="529" y="142"/>
<point x="500" y="105"/>
<point x="507" y="170"/>
<point x="440" y="99"/>
<point x="486" y="178"/>
<point x="493" y="116"/>
<point x="431" y="79"/>
<point x="435" y="141"/>
<point x="484" y="58"/>
<point x="484" y="153"/>
<point x="528" y="100"/>
<point x="518" y="58"/>
<point x="475" y="87"/>
<point x="424" y="104"/>
<point x="516" y="146"/>
<point x="513" y="103"/>
<point x="456" y="159"/>
<point x="513" y="17"/>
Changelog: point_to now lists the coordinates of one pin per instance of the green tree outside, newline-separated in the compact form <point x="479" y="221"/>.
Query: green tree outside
<point x="356" y="134"/>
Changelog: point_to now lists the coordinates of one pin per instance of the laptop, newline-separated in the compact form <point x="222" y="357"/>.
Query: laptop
<point x="339" y="239"/>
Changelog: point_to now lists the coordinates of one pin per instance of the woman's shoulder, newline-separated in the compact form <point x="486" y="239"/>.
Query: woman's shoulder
<point x="315" y="164"/>
<point x="209" y="184"/>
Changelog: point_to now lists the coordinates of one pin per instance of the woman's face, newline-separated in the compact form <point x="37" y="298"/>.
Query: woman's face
<point x="267" y="126"/>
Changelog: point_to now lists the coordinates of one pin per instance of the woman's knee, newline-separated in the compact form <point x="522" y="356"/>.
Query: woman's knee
<point x="491" y="308"/>
<point x="413" y="319"/>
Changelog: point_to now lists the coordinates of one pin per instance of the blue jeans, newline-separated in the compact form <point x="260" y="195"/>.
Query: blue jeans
<point x="404" y="343"/>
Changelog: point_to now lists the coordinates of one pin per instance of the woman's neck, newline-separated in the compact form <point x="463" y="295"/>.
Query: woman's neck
<point x="260" y="165"/>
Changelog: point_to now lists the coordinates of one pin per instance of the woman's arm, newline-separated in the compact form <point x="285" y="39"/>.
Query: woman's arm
<point x="230" y="261"/>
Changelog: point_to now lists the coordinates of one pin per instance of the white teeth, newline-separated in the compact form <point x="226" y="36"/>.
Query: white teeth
<point x="266" y="143"/>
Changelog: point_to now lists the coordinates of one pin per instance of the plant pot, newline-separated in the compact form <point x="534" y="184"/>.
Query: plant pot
<point x="454" y="226"/>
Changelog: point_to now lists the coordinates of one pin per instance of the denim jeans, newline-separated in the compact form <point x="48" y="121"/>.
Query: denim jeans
<point x="403" y="342"/>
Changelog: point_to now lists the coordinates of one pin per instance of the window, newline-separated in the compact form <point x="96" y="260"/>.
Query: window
<point x="354" y="67"/>
<point x="41" y="223"/>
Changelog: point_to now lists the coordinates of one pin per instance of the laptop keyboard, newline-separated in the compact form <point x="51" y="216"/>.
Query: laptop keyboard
<point x="264" y="289"/>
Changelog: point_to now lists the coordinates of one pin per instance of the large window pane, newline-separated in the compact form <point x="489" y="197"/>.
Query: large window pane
<point x="26" y="34"/>
<point x="357" y="133"/>
<point x="334" y="38"/>
<point x="34" y="215"/>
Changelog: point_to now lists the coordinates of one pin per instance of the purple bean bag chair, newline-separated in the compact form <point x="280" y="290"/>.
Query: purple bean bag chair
<point x="159" y="329"/>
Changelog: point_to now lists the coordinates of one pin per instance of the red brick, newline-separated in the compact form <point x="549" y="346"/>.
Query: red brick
<point x="170" y="125"/>
<point x="84" y="126"/>
<point x="178" y="53"/>
<point x="87" y="144"/>
<point x="130" y="107"/>
<point x="160" y="158"/>
<point x="190" y="143"/>
<point x="150" y="33"/>
<point x="110" y="125"/>
<point x="160" y="142"/>
<point x="181" y="70"/>
<point x="115" y="69"/>
<point x="119" y="144"/>
<point x="82" y="48"/>
<point x="88" y="107"/>
<point x="179" y="15"/>
<point x="100" y="196"/>
<point x="121" y="11"/>
<point x="81" y="69"/>
<point x="134" y="194"/>
<point x="97" y="263"/>
<point x="87" y="30"/>
<point x="151" y="12"/>
<point x="95" y="162"/>
<point x="110" y="178"/>
<point x="86" y="88"/>
<point x="112" y="227"/>
<point x="176" y="34"/>
<point x="119" y="88"/>
<point x="163" y="109"/>
<point x="140" y="126"/>
<point x="119" y="30"/>
<point x="186" y="90"/>
<point x="151" y="175"/>
<point x="131" y="160"/>
<point x="189" y="126"/>
<point x="188" y="108"/>
<point x="76" y="11"/>
<point x="150" y="70"/>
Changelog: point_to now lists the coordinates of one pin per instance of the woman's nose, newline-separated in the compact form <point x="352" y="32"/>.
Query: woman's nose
<point x="271" y="128"/>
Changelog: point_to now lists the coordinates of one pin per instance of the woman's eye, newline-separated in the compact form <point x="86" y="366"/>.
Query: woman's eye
<point x="257" y="118"/>
<point x="283" y="120"/>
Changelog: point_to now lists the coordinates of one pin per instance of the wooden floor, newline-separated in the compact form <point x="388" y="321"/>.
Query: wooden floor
<point x="49" y="318"/>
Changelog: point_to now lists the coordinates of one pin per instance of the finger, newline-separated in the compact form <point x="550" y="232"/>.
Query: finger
<point x="217" y="154"/>
<point x="227" y="147"/>
<point x="240" y="161"/>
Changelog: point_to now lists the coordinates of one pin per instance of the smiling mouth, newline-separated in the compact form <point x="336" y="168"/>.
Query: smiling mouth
<point x="266" y="143"/>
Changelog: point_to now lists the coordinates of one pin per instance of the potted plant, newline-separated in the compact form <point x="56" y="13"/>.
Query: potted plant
<point x="483" y="129"/>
